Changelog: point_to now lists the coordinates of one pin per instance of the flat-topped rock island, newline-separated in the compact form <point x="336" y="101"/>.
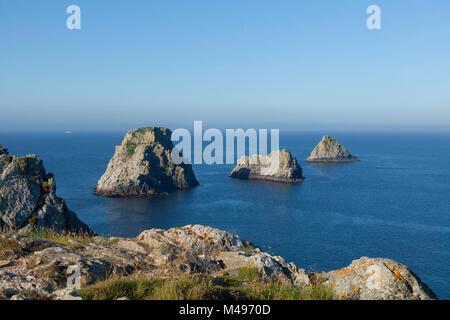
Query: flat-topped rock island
<point x="279" y="166"/>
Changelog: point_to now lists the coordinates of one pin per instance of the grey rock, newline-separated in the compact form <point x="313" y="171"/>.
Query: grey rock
<point x="28" y="198"/>
<point x="267" y="265"/>
<point x="161" y="257"/>
<point x="131" y="246"/>
<point x="66" y="294"/>
<point x="377" y="279"/>
<point x="330" y="150"/>
<point x="142" y="165"/>
<point x="208" y="250"/>
<point x="278" y="166"/>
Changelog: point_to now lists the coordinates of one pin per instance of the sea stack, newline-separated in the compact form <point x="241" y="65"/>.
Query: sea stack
<point x="142" y="166"/>
<point x="27" y="197"/>
<point x="279" y="166"/>
<point x="330" y="150"/>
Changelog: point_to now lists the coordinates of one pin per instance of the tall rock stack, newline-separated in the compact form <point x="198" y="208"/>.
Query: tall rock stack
<point x="28" y="199"/>
<point x="142" y="166"/>
<point x="330" y="150"/>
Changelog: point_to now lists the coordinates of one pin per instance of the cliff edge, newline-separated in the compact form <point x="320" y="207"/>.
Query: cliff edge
<point x="28" y="196"/>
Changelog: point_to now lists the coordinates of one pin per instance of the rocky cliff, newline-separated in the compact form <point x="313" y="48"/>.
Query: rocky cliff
<point x="142" y="165"/>
<point x="330" y="150"/>
<point x="28" y="199"/>
<point x="278" y="166"/>
<point x="31" y="267"/>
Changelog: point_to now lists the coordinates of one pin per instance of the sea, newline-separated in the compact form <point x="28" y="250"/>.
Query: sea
<point x="394" y="203"/>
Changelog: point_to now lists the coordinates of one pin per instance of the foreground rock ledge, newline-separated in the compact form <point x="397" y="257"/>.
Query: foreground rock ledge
<point x="28" y="196"/>
<point x="142" y="166"/>
<point x="279" y="166"/>
<point x="330" y="150"/>
<point x="39" y="267"/>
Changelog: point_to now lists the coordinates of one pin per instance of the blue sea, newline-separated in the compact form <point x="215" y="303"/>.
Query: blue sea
<point x="395" y="203"/>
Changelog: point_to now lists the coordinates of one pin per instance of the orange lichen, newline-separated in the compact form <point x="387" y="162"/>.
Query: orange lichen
<point x="355" y="289"/>
<point x="397" y="276"/>
<point x="343" y="296"/>
<point x="250" y="265"/>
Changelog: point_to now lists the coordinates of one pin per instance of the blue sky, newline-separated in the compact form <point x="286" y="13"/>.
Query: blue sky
<point x="252" y="63"/>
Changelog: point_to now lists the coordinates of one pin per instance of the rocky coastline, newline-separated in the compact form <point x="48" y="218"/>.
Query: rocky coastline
<point x="41" y="239"/>
<point x="36" y="268"/>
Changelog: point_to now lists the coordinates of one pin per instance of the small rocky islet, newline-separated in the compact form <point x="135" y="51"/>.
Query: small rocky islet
<point x="279" y="166"/>
<point x="33" y="266"/>
<point x="330" y="150"/>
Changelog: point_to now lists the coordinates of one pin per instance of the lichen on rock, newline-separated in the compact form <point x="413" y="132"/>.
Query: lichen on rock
<point x="377" y="279"/>
<point x="142" y="165"/>
<point x="330" y="150"/>
<point x="279" y="166"/>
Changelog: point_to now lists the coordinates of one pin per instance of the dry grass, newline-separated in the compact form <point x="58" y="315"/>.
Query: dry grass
<point x="246" y="285"/>
<point x="67" y="238"/>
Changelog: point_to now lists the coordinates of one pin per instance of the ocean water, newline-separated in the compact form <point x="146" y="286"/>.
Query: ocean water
<point x="395" y="203"/>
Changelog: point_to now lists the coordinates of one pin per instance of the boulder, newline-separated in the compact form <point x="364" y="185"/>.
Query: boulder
<point x="142" y="165"/>
<point x="208" y="250"/>
<point x="330" y="150"/>
<point x="279" y="166"/>
<point x="28" y="198"/>
<point x="377" y="279"/>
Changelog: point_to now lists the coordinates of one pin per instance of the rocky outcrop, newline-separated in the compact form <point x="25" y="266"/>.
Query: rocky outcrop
<point x="37" y="268"/>
<point x="377" y="279"/>
<point x="278" y="166"/>
<point x="330" y="150"/>
<point x="142" y="165"/>
<point x="3" y="151"/>
<point x="28" y="199"/>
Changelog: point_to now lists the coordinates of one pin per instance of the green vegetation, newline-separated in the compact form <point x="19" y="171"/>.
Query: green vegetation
<point x="67" y="238"/>
<point x="248" y="249"/>
<point x="131" y="148"/>
<point x="143" y="130"/>
<point x="248" y="274"/>
<point x="246" y="285"/>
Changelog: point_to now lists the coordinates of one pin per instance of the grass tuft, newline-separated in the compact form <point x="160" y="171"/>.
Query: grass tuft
<point x="194" y="287"/>
<point x="67" y="238"/>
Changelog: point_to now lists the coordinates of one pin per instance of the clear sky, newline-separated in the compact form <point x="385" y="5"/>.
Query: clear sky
<point x="251" y="63"/>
